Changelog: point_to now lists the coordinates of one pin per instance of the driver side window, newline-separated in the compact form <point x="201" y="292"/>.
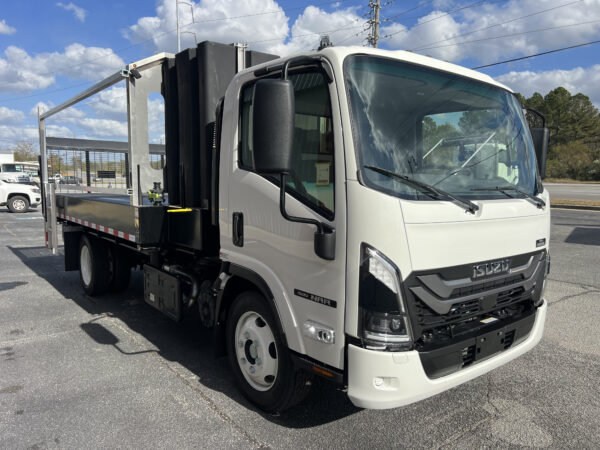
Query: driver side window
<point x="313" y="170"/>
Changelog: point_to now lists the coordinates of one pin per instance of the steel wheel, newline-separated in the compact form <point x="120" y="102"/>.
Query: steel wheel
<point x="93" y="266"/>
<point x="85" y="264"/>
<point x="256" y="351"/>
<point x="258" y="356"/>
<point x="19" y="205"/>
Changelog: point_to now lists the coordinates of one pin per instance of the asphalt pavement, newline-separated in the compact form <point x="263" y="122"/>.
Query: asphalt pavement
<point x="111" y="372"/>
<point x="574" y="191"/>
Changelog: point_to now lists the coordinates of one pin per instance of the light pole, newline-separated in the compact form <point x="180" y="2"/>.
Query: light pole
<point x="177" y="2"/>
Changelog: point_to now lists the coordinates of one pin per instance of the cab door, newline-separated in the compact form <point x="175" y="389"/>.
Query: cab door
<point x="305" y="287"/>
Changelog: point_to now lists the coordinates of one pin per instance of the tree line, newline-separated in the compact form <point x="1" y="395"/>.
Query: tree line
<point x="574" y="123"/>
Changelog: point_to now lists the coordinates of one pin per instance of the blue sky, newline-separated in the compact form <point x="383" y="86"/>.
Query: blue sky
<point x="51" y="50"/>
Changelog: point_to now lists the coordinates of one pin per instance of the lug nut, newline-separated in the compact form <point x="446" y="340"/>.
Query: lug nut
<point x="243" y="360"/>
<point x="247" y="335"/>
<point x="252" y="369"/>
<point x="241" y="344"/>
<point x="258" y="361"/>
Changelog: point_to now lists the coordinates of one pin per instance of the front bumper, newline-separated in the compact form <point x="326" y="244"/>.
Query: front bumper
<point x="381" y="380"/>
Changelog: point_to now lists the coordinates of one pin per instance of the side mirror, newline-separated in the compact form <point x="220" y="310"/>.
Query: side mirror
<point x="273" y="126"/>
<point x="273" y="144"/>
<point x="541" y="137"/>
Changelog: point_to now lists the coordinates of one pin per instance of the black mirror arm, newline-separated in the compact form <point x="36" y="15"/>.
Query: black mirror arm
<point x="539" y="114"/>
<point x="321" y="227"/>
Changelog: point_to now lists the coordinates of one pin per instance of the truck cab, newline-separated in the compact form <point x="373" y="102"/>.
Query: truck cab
<point x="14" y="173"/>
<point x="426" y="175"/>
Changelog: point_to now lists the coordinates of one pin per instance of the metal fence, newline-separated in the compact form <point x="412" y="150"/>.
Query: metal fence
<point x="92" y="165"/>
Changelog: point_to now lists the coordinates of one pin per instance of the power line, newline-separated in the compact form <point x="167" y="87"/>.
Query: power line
<point x="536" y="54"/>
<point x="306" y="34"/>
<point x="425" y="46"/>
<point x="420" y="5"/>
<point x="512" y="34"/>
<point x="352" y="35"/>
<point x="46" y="92"/>
<point x="471" y="5"/>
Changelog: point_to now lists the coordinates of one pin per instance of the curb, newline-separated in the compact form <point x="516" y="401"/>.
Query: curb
<point x="578" y="207"/>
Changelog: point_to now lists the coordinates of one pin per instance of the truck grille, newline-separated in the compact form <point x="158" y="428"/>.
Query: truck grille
<point x="447" y="303"/>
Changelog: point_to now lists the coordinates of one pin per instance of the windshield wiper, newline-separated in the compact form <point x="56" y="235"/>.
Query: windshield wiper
<point x="538" y="201"/>
<point x="470" y="206"/>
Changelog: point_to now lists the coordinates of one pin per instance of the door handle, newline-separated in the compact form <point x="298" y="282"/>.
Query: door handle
<point x="238" y="229"/>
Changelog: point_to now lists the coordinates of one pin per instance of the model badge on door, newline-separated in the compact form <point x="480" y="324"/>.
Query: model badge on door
<point x="316" y="298"/>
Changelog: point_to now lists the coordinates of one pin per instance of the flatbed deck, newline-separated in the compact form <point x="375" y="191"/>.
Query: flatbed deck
<point x="139" y="224"/>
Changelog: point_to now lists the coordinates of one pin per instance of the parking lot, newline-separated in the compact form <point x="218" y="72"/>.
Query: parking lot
<point x="77" y="372"/>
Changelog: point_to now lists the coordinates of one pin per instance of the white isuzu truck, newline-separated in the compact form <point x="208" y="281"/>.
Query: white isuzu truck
<point x="373" y="217"/>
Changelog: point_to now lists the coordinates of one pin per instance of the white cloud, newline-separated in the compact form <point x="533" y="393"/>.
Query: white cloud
<point x="342" y="26"/>
<point x="5" y="28"/>
<point x="30" y="133"/>
<point x="110" y="103"/>
<point x="160" y="28"/>
<point x="577" y="80"/>
<point x="20" y="72"/>
<point x="434" y="36"/>
<point x="70" y="114"/>
<point x="11" y="116"/>
<point x="101" y="128"/>
<point x="78" y="121"/>
<point x="432" y="27"/>
<point x="265" y="32"/>
<point x="79" y="12"/>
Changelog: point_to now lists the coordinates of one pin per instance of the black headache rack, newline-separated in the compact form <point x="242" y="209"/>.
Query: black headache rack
<point x="458" y="318"/>
<point x="192" y="84"/>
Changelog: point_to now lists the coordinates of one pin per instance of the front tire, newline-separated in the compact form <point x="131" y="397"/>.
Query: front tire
<point x="18" y="204"/>
<point x="93" y="266"/>
<point x="259" y="360"/>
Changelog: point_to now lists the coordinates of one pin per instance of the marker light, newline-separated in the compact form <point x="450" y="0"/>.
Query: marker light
<point x="318" y="332"/>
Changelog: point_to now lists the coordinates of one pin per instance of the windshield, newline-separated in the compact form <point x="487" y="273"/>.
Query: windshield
<point x="12" y="168"/>
<point x="437" y="128"/>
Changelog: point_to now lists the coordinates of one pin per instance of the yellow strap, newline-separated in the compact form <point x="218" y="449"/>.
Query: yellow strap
<point x="179" y="210"/>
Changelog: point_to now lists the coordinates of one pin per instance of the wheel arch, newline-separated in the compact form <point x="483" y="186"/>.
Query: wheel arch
<point x="15" y="194"/>
<point x="236" y="279"/>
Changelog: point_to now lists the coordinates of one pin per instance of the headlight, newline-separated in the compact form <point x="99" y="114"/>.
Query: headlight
<point x="383" y="318"/>
<point x="36" y="190"/>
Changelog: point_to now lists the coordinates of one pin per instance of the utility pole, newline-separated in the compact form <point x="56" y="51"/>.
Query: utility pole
<point x="374" y="22"/>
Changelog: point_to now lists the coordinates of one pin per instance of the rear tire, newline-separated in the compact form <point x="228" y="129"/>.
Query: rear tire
<point x="93" y="266"/>
<point x="259" y="360"/>
<point x="18" y="204"/>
